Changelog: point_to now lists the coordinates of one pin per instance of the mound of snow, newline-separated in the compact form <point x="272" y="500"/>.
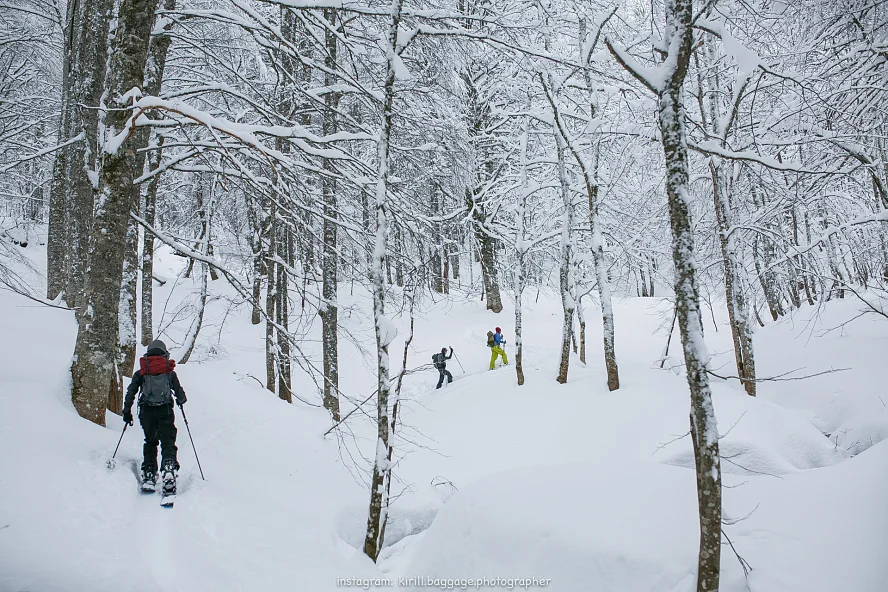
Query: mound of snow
<point x="861" y="432"/>
<point x="584" y="526"/>
<point x="759" y="438"/>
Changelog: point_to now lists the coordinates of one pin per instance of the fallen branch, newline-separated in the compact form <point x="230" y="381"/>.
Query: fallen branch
<point x="743" y="563"/>
<point x="779" y="377"/>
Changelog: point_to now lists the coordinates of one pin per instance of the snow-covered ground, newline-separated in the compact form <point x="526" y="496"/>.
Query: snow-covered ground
<point x="570" y="484"/>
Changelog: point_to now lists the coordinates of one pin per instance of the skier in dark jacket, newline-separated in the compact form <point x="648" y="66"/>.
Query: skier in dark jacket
<point x="441" y="365"/>
<point x="156" y="379"/>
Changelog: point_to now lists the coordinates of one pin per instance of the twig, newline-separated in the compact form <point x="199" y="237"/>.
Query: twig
<point x="743" y="563"/>
<point x="34" y="298"/>
<point x="779" y="377"/>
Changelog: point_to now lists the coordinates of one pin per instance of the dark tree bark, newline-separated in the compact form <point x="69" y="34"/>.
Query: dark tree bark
<point x="270" y="239"/>
<point x="149" y="214"/>
<point x="57" y="239"/>
<point x="282" y="312"/>
<point x="330" y="307"/>
<point x="94" y="371"/>
<point x="126" y="340"/>
<point x="158" y="48"/>
<point x="255" y="219"/>
<point x="89" y="84"/>
<point x="487" y="252"/>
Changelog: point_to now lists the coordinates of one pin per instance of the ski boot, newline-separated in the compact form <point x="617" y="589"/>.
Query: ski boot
<point x="149" y="480"/>
<point x="168" y="475"/>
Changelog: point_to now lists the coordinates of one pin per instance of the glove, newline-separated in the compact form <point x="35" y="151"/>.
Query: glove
<point x="128" y="417"/>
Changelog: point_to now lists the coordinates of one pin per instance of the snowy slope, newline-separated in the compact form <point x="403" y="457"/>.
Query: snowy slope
<point x="591" y="489"/>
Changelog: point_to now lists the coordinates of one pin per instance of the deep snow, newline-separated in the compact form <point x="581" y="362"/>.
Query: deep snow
<point x="590" y="489"/>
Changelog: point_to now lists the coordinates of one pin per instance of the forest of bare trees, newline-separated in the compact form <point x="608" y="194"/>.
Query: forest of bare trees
<point x="722" y="151"/>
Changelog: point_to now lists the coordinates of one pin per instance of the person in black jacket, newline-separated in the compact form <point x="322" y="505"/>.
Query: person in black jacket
<point x="441" y="365"/>
<point x="156" y="380"/>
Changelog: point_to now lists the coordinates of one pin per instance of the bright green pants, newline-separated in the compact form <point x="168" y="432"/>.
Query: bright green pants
<point x="497" y="351"/>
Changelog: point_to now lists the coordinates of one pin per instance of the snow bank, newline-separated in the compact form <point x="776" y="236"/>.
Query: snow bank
<point x="861" y="432"/>
<point x="584" y="526"/>
<point x="759" y="438"/>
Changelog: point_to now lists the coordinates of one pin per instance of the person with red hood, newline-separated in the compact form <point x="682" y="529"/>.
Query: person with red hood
<point x="496" y="342"/>
<point x="156" y="379"/>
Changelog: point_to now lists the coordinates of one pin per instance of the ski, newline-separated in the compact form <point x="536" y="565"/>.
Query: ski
<point x="147" y="487"/>
<point x="167" y="501"/>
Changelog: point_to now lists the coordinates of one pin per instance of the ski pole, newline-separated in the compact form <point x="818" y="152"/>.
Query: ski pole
<point x="460" y="363"/>
<point x="111" y="462"/>
<point x="192" y="442"/>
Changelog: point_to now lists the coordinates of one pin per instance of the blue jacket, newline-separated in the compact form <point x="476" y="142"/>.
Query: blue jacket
<point x="498" y="338"/>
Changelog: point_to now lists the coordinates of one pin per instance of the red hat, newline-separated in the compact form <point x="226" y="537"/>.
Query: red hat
<point x="497" y="329"/>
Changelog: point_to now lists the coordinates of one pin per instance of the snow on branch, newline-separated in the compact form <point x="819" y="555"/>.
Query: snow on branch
<point x="79" y="137"/>
<point x="651" y="78"/>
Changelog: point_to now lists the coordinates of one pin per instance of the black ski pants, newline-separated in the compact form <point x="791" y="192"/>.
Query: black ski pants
<point x="158" y="423"/>
<point x="443" y="372"/>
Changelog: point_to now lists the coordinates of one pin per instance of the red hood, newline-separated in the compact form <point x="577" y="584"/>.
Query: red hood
<point x="156" y="365"/>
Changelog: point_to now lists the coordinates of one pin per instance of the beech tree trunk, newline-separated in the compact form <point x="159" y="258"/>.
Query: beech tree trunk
<point x="89" y="84"/>
<point x="149" y="214"/>
<point x="94" y="370"/>
<point x="205" y="209"/>
<point x="158" y="48"/>
<point x="590" y="177"/>
<point x="59" y="193"/>
<point x="704" y="430"/>
<point x="330" y="307"/>
<point x="568" y="298"/>
<point x="382" y="466"/>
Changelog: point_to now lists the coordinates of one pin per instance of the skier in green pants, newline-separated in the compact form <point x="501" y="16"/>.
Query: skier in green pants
<point x="495" y="341"/>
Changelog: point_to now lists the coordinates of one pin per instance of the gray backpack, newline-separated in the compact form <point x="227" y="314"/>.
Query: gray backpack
<point x="156" y="388"/>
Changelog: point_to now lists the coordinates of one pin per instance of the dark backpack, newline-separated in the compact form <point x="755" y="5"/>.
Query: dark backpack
<point x="490" y="340"/>
<point x="438" y="360"/>
<point x="156" y="387"/>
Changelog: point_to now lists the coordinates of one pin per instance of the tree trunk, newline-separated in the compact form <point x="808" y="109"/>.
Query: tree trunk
<point x="282" y="309"/>
<point x="127" y="321"/>
<point x="582" y="321"/>
<point x="521" y="250"/>
<point x="157" y="53"/>
<point x="330" y="309"/>
<point x="704" y="430"/>
<point x="205" y="210"/>
<point x="738" y="313"/>
<point x="89" y="84"/>
<point x="149" y="215"/>
<point x="735" y="299"/>
<point x="197" y="322"/>
<point x="59" y="194"/>
<point x="254" y="216"/>
<point x="381" y="465"/>
<point x="270" y="239"/>
<point x="568" y="300"/>
<point x="590" y="176"/>
<point x="94" y="371"/>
